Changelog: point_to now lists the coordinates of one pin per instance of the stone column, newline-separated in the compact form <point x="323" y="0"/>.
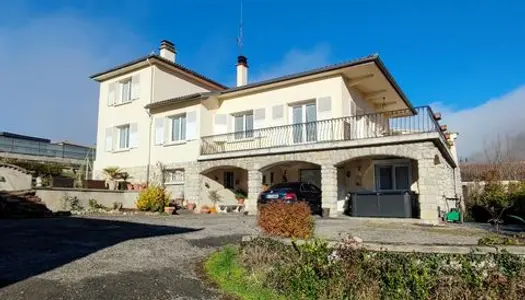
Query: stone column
<point x="329" y="188"/>
<point x="192" y="183"/>
<point x="429" y="194"/>
<point x="254" y="189"/>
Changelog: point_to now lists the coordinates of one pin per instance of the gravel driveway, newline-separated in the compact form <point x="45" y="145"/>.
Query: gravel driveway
<point x="150" y="257"/>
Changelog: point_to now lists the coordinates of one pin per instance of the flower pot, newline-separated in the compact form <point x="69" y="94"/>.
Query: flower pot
<point x="169" y="210"/>
<point x="240" y="200"/>
<point x="191" y="206"/>
<point x="205" y="210"/>
<point x="213" y="210"/>
<point x="130" y="186"/>
<point x="112" y="185"/>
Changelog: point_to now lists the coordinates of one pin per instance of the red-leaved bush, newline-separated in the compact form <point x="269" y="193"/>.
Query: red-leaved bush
<point x="286" y="220"/>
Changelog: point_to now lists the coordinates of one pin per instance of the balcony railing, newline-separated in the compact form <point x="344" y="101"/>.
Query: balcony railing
<point x="392" y="123"/>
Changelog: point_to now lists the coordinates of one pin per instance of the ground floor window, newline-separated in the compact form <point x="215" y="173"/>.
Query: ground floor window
<point x="175" y="176"/>
<point x="392" y="176"/>
<point x="229" y="180"/>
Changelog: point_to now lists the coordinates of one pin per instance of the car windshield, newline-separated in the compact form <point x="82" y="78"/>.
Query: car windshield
<point x="285" y="185"/>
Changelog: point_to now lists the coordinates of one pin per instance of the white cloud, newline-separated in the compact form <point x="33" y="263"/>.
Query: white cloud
<point x="296" y="61"/>
<point x="480" y="126"/>
<point x="45" y="64"/>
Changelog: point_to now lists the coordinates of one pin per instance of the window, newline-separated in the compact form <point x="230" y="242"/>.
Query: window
<point x="178" y="128"/>
<point x="125" y="91"/>
<point x="304" y="120"/>
<point x="243" y="125"/>
<point x="228" y="180"/>
<point x="123" y="136"/>
<point x="392" y="176"/>
<point x="175" y="176"/>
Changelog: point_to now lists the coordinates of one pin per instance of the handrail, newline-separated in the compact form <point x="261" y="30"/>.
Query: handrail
<point x="372" y="125"/>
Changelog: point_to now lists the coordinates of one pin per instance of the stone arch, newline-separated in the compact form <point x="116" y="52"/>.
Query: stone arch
<point x="409" y="151"/>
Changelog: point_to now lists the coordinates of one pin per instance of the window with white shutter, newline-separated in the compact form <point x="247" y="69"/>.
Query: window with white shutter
<point x="221" y="123"/>
<point x="123" y="136"/>
<point x="133" y="136"/>
<point x="259" y="116"/>
<point x="125" y="90"/>
<point x="159" y="131"/>
<point x="111" y="94"/>
<point x="191" y="125"/>
<point x="178" y="128"/>
<point x="135" y="87"/>
<point x="243" y="125"/>
<point x="108" y="141"/>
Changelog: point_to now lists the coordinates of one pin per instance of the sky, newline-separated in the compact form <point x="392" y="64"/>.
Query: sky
<point x="464" y="58"/>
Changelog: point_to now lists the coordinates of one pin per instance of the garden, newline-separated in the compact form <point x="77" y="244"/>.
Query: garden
<point x="289" y="262"/>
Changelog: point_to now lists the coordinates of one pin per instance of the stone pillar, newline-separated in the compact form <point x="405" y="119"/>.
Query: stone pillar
<point x="192" y="183"/>
<point x="254" y="189"/>
<point x="329" y="188"/>
<point x="429" y="190"/>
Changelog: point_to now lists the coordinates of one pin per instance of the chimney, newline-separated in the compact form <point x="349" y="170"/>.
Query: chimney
<point x="167" y="50"/>
<point x="242" y="70"/>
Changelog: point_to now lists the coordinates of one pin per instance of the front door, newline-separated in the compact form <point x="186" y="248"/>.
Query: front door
<point x="304" y="118"/>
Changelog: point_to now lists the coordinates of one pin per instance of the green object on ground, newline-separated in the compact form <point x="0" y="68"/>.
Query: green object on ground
<point x="235" y="280"/>
<point x="454" y="215"/>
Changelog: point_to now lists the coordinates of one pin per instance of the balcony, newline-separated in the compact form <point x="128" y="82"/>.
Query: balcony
<point x="373" y="128"/>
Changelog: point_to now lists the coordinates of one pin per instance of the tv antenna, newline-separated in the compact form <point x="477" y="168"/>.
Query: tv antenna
<point x="240" y="37"/>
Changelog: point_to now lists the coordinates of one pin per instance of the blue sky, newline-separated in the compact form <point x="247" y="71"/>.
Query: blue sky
<point x="463" y="57"/>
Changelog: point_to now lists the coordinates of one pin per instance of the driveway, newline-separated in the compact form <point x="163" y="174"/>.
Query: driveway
<point x="150" y="257"/>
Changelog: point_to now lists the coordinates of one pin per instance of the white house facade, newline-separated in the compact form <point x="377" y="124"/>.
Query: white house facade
<point x="346" y="128"/>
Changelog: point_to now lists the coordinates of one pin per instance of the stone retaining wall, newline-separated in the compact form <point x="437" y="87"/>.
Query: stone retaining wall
<point x="54" y="198"/>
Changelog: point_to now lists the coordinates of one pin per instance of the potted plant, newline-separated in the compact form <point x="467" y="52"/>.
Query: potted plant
<point x="112" y="174"/>
<point x="205" y="209"/>
<point x="241" y="196"/>
<point x="215" y="198"/>
<point x="125" y="176"/>
<point x="169" y="210"/>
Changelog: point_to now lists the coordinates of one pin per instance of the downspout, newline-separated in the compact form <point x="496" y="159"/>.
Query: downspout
<point x="152" y="87"/>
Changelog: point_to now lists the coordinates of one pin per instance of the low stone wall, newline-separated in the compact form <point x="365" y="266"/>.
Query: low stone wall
<point x="54" y="197"/>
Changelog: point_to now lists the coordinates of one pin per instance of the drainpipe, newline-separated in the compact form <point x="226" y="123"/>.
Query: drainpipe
<point x="150" y="120"/>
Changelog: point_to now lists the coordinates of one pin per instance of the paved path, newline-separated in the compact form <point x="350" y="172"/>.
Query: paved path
<point x="150" y="257"/>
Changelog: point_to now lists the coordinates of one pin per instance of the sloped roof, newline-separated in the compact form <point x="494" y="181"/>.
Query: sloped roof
<point x="188" y="97"/>
<point x="155" y="56"/>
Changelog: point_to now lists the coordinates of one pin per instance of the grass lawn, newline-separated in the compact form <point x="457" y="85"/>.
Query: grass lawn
<point x="233" y="279"/>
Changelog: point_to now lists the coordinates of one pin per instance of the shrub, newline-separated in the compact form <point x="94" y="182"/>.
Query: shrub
<point x="153" y="198"/>
<point x="315" y="270"/>
<point x="286" y="220"/>
<point x="94" y="205"/>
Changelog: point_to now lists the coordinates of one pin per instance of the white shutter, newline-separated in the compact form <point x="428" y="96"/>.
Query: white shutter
<point x="221" y="123"/>
<point x="133" y="136"/>
<point x="167" y="130"/>
<point x="258" y="118"/>
<point x="135" y="87"/>
<point x="159" y="131"/>
<point x="116" y="94"/>
<point x="191" y="125"/>
<point x="108" y="141"/>
<point x="324" y="108"/>
<point x="111" y="94"/>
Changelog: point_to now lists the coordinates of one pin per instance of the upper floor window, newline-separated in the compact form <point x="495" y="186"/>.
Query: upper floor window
<point x="123" y="136"/>
<point x="125" y="90"/>
<point x="178" y="128"/>
<point x="243" y="125"/>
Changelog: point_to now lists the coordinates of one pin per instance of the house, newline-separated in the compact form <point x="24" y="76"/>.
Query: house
<point x="346" y="127"/>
